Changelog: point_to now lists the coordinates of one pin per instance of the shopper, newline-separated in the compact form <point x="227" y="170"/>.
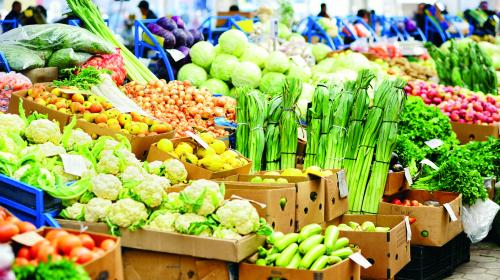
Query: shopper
<point x="359" y="27"/>
<point x="420" y="16"/>
<point x="14" y="14"/>
<point x="145" y="11"/>
<point x="234" y="8"/>
<point x="482" y="19"/>
<point x="323" y="12"/>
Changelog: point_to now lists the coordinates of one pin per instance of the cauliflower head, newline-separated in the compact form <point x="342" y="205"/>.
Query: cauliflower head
<point x="202" y="197"/>
<point x="173" y="203"/>
<point x="175" y="171"/>
<point x="12" y="122"/>
<point x="132" y="173"/>
<point x="47" y="149"/>
<point x="128" y="158"/>
<point x="184" y="221"/>
<point x="127" y="212"/>
<point x="162" y="220"/>
<point x="150" y="191"/>
<point x="239" y="215"/>
<point x="74" y="212"/>
<point x="43" y="130"/>
<point x="225" y="233"/>
<point x="78" y="137"/>
<point x="155" y="167"/>
<point x="106" y="186"/>
<point x="97" y="209"/>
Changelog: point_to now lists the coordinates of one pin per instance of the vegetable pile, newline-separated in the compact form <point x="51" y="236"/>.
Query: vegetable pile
<point x="9" y="83"/>
<point x="173" y="33"/>
<point x="406" y="69"/>
<point x="52" y="269"/>
<point x="366" y="226"/>
<point x="10" y="226"/>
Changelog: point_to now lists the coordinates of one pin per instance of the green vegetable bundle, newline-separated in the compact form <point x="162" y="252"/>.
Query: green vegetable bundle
<point x="62" y="269"/>
<point x="273" y="151"/>
<point x="289" y="122"/>
<point x="243" y="130"/>
<point x="315" y="118"/>
<point x="257" y="112"/>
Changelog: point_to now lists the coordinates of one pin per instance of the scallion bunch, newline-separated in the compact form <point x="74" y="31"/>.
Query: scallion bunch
<point x="273" y="150"/>
<point x="315" y="119"/>
<point x="257" y="112"/>
<point x="242" y="130"/>
<point x="289" y="122"/>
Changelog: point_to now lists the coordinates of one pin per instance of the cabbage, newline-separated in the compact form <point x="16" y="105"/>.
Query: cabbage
<point x="202" y="54"/>
<point x="277" y="62"/>
<point x="247" y="74"/>
<point x="233" y="92"/>
<point x="272" y="83"/>
<point x="283" y="31"/>
<point x="216" y="86"/>
<point x="297" y="37"/>
<point x="303" y="73"/>
<point x="320" y="51"/>
<point x="192" y="72"/>
<point x="255" y="54"/>
<point x="324" y="66"/>
<point x="233" y="42"/>
<point x="217" y="50"/>
<point x="222" y="66"/>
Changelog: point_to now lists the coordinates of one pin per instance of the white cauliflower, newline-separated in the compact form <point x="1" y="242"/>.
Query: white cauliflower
<point x="156" y="167"/>
<point x="184" y="221"/>
<point x="207" y="190"/>
<point x="43" y="130"/>
<point x="97" y="209"/>
<point x="47" y="149"/>
<point x="175" y="171"/>
<point x="59" y="170"/>
<point x="173" y="202"/>
<point x="128" y="158"/>
<point x="164" y="182"/>
<point x="132" y="173"/>
<point x="162" y="221"/>
<point x="150" y="191"/>
<point x="12" y="122"/>
<point x="239" y="215"/>
<point x="78" y="137"/>
<point x="127" y="212"/>
<point x="108" y="163"/>
<point x="225" y="233"/>
<point x="74" y="212"/>
<point x="106" y="186"/>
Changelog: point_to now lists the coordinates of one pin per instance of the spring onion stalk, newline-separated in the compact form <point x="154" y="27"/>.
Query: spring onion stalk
<point x="315" y="119"/>
<point x="257" y="112"/>
<point x="289" y="122"/>
<point x="325" y="124"/>
<point x="386" y="144"/>
<point x="273" y="150"/>
<point x="242" y="130"/>
<point x="357" y="177"/>
<point x="90" y="15"/>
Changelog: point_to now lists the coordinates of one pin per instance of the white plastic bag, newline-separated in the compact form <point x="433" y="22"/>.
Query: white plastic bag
<point x="478" y="218"/>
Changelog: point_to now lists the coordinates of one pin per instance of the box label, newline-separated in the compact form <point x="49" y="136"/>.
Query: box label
<point x="429" y="163"/>
<point x="176" y="54"/>
<point x="344" y="191"/>
<point x="434" y="143"/>
<point x="197" y="139"/>
<point x="408" y="228"/>
<point x="408" y="176"/>
<point x="453" y="217"/>
<point x="29" y="238"/>
<point x="74" y="164"/>
<point x="359" y="259"/>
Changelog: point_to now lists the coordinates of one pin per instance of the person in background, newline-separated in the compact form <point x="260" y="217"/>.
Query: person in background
<point x="145" y="11"/>
<point x="234" y="8"/>
<point x="482" y="19"/>
<point x="33" y="15"/>
<point x="323" y="12"/>
<point x="14" y="14"/>
<point x="420" y="16"/>
<point x="359" y="27"/>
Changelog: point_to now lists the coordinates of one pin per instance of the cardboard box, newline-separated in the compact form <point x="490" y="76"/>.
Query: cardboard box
<point x="195" y="171"/>
<point x="396" y="182"/>
<point x="42" y="75"/>
<point x="388" y="252"/>
<point x="182" y="244"/>
<point x="140" y="144"/>
<point x="345" y="270"/>
<point x="467" y="132"/>
<point x="147" y="265"/>
<point x="433" y="225"/>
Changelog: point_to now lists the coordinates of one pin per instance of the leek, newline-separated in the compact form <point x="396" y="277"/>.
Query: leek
<point x="242" y="130"/>
<point x="315" y="118"/>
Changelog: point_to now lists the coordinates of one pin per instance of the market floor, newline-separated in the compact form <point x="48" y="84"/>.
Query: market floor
<point x="484" y="263"/>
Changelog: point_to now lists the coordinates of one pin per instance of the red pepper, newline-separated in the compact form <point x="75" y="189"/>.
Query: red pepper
<point x="412" y="220"/>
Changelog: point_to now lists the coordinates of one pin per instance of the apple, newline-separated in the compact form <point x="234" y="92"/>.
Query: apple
<point x="90" y="117"/>
<point x="61" y="104"/>
<point x="136" y="117"/>
<point x="93" y="99"/>
<point x="114" y="126"/>
<point x="159" y="128"/>
<point x="77" y="97"/>
<point x="112" y="113"/>
<point x="87" y="104"/>
<point x="100" y="118"/>
<point x="114" y="122"/>
<point x="95" y="108"/>
<point x="52" y="107"/>
<point x="76" y="107"/>
<point x="63" y="110"/>
<point x="124" y="119"/>
<point x="40" y="101"/>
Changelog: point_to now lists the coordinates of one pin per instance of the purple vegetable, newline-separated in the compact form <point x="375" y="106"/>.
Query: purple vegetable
<point x="156" y="29"/>
<point x="167" y="23"/>
<point x="197" y="35"/>
<point x="411" y="25"/>
<point x="169" y="42"/>
<point x="178" y="20"/>
<point x="189" y="38"/>
<point x="180" y="37"/>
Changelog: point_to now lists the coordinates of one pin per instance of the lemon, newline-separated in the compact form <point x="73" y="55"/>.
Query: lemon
<point x="191" y="159"/>
<point x="292" y="172"/>
<point x="207" y="137"/>
<point x="202" y="152"/>
<point x="219" y="146"/>
<point x="184" y="148"/>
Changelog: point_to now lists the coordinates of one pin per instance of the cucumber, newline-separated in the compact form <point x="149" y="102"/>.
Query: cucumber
<point x="341" y="243"/>
<point x="274" y="237"/>
<point x="295" y="261"/>
<point x="286" y="256"/>
<point x="310" y="242"/>
<point x="342" y="253"/>
<point x="334" y="260"/>
<point x="320" y="263"/>
<point x="311" y="256"/>
<point x="331" y="236"/>
<point x="285" y="241"/>
<point x="261" y="262"/>
<point x="308" y="231"/>
<point x="270" y="259"/>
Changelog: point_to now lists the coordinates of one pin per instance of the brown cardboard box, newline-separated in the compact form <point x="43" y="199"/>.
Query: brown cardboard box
<point x="309" y="197"/>
<point x="42" y="75"/>
<point x="147" y="265"/>
<point x="195" y="171"/>
<point x="345" y="270"/>
<point x="433" y="225"/>
<point x="396" y="182"/>
<point x="176" y="243"/>
<point x="140" y="144"/>
<point x="467" y="132"/>
<point x="388" y="252"/>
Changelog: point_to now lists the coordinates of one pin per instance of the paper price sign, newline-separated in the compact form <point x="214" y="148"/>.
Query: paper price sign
<point x="197" y="139"/>
<point x="408" y="176"/>
<point x="453" y="217"/>
<point x="74" y="164"/>
<point x="434" y="143"/>
<point x="430" y="163"/>
<point x="408" y="228"/>
<point x="344" y="191"/>
<point x="359" y="259"/>
<point x="176" y="54"/>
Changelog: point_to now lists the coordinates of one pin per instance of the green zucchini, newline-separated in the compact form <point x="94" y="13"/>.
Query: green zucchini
<point x="310" y="242"/>
<point x="342" y="253"/>
<point x="340" y="243"/>
<point x="308" y="231"/>
<point x="295" y="261"/>
<point x="320" y="263"/>
<point x="331" y="236"/>
<point x="285" y="241"/>
<point x="311" y="256"/>
<point x="286" y="256"/>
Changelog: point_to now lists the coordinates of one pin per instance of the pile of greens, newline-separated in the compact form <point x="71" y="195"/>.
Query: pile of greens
<point x="62" y="270"/>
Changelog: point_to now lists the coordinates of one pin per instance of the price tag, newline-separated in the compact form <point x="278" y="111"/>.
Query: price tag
<point x="453" y="217"/>
<point x="430" y="163"/>
<point x="344" y="191"/>
<point x="74" y="164"/>
<point x="408" y="176"/>
<point x="197" y="139"/>
<point x="299" y="61"/>
<point x="274" y="28"/>
<point x="434" y="143"/>
<point x="29" y="238"/>
<point x="408" y="228"/>
<point x="176" y="54"/>
<point x="359" y="259"/>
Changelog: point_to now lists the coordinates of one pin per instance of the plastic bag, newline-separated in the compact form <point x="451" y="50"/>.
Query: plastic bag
<point x="56" y="37"/>
<point x="478" y="218"/>
<point x="21" y="58"/>
<point x="67" y="58"/>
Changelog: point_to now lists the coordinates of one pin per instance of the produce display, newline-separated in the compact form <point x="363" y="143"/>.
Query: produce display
<point x="52" y="269"/>
<point x="365" y="226"/>
<point x="10" y="226"/>
<point x="315" y="170"/>
<point x="112" y="62"/>
<point x="413" y="203"/>
<point x="406" y="69"/>
<point x="9" y="83"/>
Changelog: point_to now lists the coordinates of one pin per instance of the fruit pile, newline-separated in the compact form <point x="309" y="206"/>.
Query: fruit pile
<point x="365" y="226"/>
<point x="258" y="179"/>
<point x="182" y="105"/>
<point x="10" y="226"/>
<point x="10" y="82"/>
<point x="58" y="244"/>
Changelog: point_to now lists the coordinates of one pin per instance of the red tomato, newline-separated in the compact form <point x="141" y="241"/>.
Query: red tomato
<point x="25" y="226"/>
<point x="24" y="253"/>
<point x="55" y="233"/>
<point x="7" y="230"/>
<point x="108" y="244"/>
<point x="45" y="252"/>
<point x="35" y="248"/>
<point x="81" y="255"/>
<point x="22" y="261"/>
<point x="67" y="243"/>
<point x="87" y="241"/>
<point x="98" y="252"/>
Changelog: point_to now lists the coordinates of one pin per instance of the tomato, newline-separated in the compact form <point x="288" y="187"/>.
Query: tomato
<point x="67" y="243"/>
<point x="98" y="252"/>
<point x="108" y="244"/>
<point x="7" y="230"/>
<point x="55" y="233"/>
<point x="24" y="253"/>
<point x="45" y="252"/>
<point x="22" y="261"/>
<point x="11" y="219"/>
<point x="25" y="226"/>
<point x="87" y="241"/>
<point x="81" y="255"/>
<point x="35" y="248"/>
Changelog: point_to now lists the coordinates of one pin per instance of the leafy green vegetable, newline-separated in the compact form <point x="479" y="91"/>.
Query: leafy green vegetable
<point x="85" y="79"/>
<point x="62" y="270"/>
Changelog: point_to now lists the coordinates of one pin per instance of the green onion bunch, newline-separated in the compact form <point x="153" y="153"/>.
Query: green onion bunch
<point x="242" y="130"/>
<point x="273" y="151"/>
<point x="257" y="112"/>
<point x="289" y="122"/>
<point x="314" y="120"/>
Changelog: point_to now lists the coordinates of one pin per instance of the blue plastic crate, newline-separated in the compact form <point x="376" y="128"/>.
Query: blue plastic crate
<point x="28" y="203"/>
